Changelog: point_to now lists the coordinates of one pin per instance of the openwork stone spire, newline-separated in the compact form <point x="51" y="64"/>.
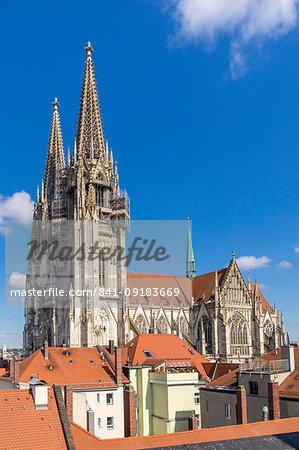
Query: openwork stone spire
<point x="90" y="138"/>
<point x="190" y="261"/>
<point x="55" y="156"/>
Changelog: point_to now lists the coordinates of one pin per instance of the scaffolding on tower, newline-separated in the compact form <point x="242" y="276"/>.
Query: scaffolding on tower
<point x="120" y="210"/>
<point x="59" y="199"/>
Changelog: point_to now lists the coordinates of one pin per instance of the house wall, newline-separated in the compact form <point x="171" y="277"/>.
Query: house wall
<point x="212" y="405"/>
<point x="173" y="400"/>
<point x="85" y="399"/>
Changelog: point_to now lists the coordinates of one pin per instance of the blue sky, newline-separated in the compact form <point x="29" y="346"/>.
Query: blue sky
<point x="200" y="105"/>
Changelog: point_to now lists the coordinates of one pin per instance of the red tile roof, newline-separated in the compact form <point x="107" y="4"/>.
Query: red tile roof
<point x="269" y="428"/>
<point x="24" y="427"/>
<point x="67" y="366"/>
<point x="275" y="355"/>
<point x="142" y="281"/>
<point x="290" y="387"/>
<point x="85" y="440"/>
<point x="217" y="369"/>
<point x="167" y="347"/>
<point x="203" y="286"/>
<point x="229" y="379"/>
<point x="265" y="304"/>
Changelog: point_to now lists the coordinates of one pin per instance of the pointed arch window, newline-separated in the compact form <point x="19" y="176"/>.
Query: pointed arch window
<point x="238" y="331"/>
<point x="183" y="326"/>
<point x="162" y="325"/>
<point x="141" y="324"/>
<point x="205" y="334"/>
<point x="268" y="338"/>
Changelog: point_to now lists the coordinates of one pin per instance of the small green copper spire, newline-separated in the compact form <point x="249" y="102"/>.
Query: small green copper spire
<point x="190" y="261"/>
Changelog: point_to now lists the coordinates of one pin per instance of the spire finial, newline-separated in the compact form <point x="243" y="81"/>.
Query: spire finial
<point x="55" y="104"/>
<point x="190" y="261"/>
<point x="233" y="255"/>
<point x="88" y="49"/>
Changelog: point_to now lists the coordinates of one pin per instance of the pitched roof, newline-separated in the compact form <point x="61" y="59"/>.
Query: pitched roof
<point x="229" y="379"/>
<point x="220" y="434"/>
<point x="290" y="387"/>
<point x="24" y="427"/>
<point x="217" y="369"/>
<point x="265" y="304"/>
<point x="168" y="347"/>
<point x="84" y="439"/>
<point x="275" y="355"/>
<point x="203" y="286"/>
<point x="159" y="283"/>
<point x="67" y="365"/>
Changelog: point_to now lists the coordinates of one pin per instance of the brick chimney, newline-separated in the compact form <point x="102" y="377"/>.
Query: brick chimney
<point x="14" y="370"/>
<point x="241" y="405"/>
<point x="118" y="365"/>
<point x="46" y="350"/>
<point x="273" y="400"/>
<point x="130" y="411"/>
<point x="192" y="422"/>
<point x="68" y="399"/>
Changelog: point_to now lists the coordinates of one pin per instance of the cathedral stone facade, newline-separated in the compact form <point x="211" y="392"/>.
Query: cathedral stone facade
<point x="81" y="202"/>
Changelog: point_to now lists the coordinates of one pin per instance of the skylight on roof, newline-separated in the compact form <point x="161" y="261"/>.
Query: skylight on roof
<point x="71" y="361"/>
<point x="131" y="345"/>
<point x="191" y="351"/>
<point x="147" y="353"/>
<point x="91" y="361"/>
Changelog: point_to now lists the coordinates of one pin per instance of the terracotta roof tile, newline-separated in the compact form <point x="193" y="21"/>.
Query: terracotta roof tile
<point x="290" y="387"/>
<point x="168" y="347"/>
<point x="142" y="281"/>
<point x="85" y="440"/>
<point x="67" y="365"/>
<point x="24" y="427"/>
<point x="269" y="428"/>
<point x="203" y="286"/>
<point x="265" y="304"/>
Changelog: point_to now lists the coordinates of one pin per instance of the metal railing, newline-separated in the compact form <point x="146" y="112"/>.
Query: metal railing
<point x="261" y="365"/>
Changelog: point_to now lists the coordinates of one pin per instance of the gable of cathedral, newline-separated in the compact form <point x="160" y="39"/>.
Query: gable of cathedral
<point x="203" y="286"/>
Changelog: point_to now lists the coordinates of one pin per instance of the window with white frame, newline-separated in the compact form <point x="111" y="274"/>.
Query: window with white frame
<point x="227" y="411"/>
<point x="109" y="399"/>
<point x="99" y="422"/>
<point x="110" y="423"/>
<point x="196" y="398"/>
<point x="98" y="398"/>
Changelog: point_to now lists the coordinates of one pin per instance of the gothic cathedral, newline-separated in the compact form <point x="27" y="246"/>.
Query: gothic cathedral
<point x="80" y="200"/>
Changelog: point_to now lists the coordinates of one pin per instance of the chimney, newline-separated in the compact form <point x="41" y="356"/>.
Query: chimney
<point x="130" y="411"/>
<point x="46" y="350"/>
<point x="68" y="400"/>
<point x="287" y="352"/>
<point x="264" y="413"/>
<point x="16" y="373"/>
<point x="111" y="347"/>
<point x="90" y="421"/>
<point x="192" y="422"/>
<point x="273" y="400"/>
<point x="39" y="393"/>
<point x="241" y="405"/>
<point x="118" y="365"/>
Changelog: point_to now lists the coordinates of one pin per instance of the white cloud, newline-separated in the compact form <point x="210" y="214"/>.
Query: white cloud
<point x="17" y="207"/>
<point x="297" y="249"/>
<point x="17" y="280"/>
<point x="263" y="287"/>
<point x="285" y="265"/>
<point x="244" y="22"/>
<point x="252" y="262"/>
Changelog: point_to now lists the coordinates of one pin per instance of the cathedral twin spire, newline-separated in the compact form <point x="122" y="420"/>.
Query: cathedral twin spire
<point x="89" y="147"/>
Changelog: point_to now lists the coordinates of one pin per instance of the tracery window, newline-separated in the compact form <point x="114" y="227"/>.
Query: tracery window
<point x="238" y="330"/>
<point x="162" y="325"/>
<point x="183" y="326"/>
<point x="268" y="338"/>
<point x="101" y="328"/>
<point x="141" y="324"/>
<point x="205" y="334"/>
